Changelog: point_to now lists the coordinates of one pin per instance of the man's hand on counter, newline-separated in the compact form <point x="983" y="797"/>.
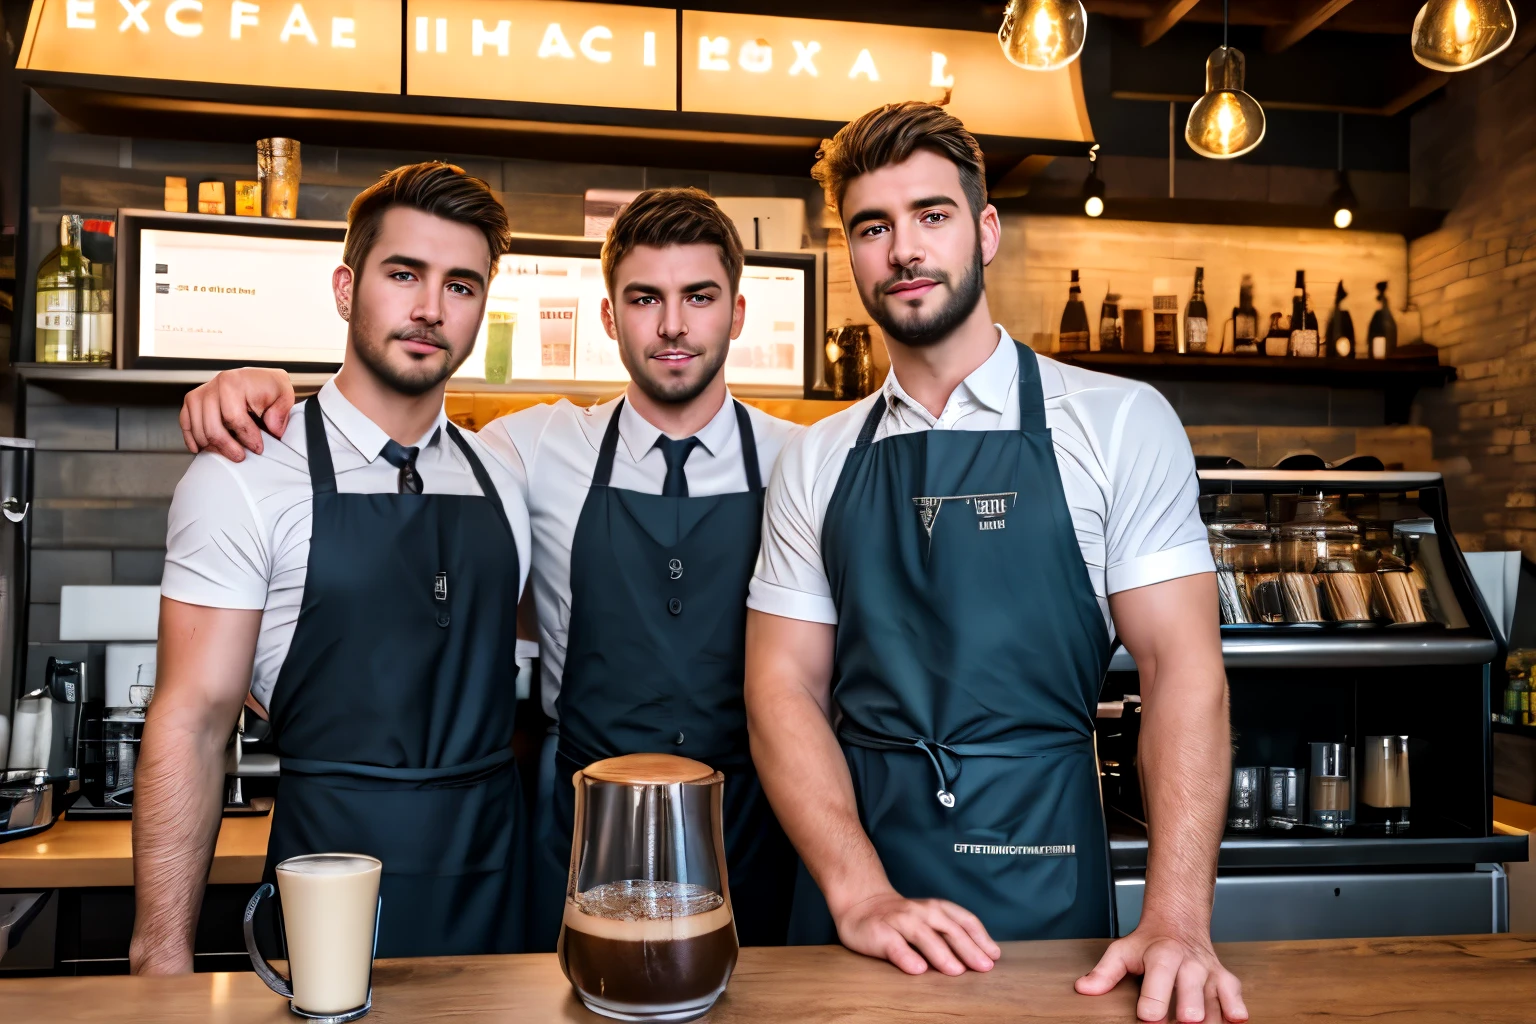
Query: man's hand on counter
<point x="222" y="415"/>
<point x="1179" y="968"/>
<point x="915" y="933"/>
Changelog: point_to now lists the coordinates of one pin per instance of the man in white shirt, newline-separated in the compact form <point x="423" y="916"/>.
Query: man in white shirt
<point x="954" y="552"/>
<point x="358" y="583"/>
<point x="646" y="512"/>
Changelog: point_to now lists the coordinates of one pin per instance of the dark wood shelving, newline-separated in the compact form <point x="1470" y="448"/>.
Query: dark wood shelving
<point x="1528" y="731"/>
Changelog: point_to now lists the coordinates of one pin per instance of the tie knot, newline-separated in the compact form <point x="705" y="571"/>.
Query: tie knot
<point x="403" y="459"/>
<point x="676" y="453"/>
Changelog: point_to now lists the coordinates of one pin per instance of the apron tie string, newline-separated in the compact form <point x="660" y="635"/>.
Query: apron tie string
<point x="933" y="749"/>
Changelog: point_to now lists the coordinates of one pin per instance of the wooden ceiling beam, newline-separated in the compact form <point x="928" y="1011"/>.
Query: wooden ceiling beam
<point x="1282" y="37"/>
<point x="1390" y="17"/>
<point x="1153" y="28"/>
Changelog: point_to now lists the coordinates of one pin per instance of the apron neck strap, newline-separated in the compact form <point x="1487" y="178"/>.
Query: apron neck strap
<point x="604" y="471"/>
<point x="1031" y="393"/>
<point x="872" y="421"/>
<point x="748" y="448"/>
<point x="481" y="476"/>
<point x="322" y="474"/>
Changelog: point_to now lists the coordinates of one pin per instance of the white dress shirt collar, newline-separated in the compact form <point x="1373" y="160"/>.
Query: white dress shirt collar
<point x="988" y="385"/>
<point x="360" y="431"/>
<point x="640" y="435"/>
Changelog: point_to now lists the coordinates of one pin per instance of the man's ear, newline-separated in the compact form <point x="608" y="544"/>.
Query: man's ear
<point x="341" y="285"/>
<point x="738" y="315"/>
<point x="608" y="324"/>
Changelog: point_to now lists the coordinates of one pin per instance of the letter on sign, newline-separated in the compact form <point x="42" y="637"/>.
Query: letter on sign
<point x="80" y="14"/>
<point x="588" y="44"/>
<point x="241" y="14"/>
<point x="135" y="18"/>
<point x="500" y="37"/>
<point x="298" y="25"/>
<point x="940" y="80"/>
<point x="712" y="53"/>
<point x="805" y="58"/>
<point x="756" y="57"/>
<point x="341" y="33"/>
<point x="185" y="29"/>
<point x="650" y="49"/>
<point x="555" y="44"/>
<point x="864" y="65"/>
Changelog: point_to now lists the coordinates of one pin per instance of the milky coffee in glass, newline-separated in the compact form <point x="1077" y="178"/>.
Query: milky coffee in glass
<point x="330" y="906"/>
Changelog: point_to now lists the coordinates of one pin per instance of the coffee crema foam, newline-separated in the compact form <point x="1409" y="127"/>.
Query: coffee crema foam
<point x="646" y="910"/>
<point x="329" y="864"/>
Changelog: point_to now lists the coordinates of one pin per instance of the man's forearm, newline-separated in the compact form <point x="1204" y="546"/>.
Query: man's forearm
<point x="1185" y="759"/>
<point x="178" y="784"/>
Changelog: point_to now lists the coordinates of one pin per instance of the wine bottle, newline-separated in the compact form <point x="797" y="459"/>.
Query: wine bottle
<point x="1197" y="324"/>
<point x="1074" y="320"/>
<point x="63" y="283"/>
<point x="1383" y="330"/>
<point x="1109" y="323"/>
<point x="1303" y="321"/>
<point x="1245" y="321"/>
<point x="1278" y="341"/>
<point x="1341" y="327"/>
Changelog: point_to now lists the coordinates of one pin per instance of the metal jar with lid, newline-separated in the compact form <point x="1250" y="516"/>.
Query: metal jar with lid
<point x="1320" y="566"/>
<point x="1247" y="564"/>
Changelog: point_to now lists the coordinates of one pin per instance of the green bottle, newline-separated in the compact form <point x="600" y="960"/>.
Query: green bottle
<point x="63" y="287"/>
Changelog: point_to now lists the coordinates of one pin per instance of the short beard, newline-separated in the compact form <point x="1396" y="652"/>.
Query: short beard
<point x="419" y="378"/>
<point x="673" y="393"/>
<point x="920" y="334"/>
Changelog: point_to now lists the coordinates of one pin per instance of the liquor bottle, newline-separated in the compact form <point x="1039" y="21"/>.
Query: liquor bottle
<point x="1245" y="321"/>
<point x="1341" y="327"/>
<point x="1303" y="321"/>
<point x="1278" y="341"/>
<point x="1074" y="320"/>
<point x="1109" y="323"/>
<point x="63" y="281"/>
<point x="1197" y="324"/>
<point x="1383" y="332"/>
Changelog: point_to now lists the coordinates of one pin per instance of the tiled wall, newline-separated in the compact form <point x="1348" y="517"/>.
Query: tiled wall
<point x="104" y="477"/>
<point x="1475" y="282"/>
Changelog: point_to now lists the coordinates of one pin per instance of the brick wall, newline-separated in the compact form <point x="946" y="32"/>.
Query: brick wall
<point x="1474" y="281"/>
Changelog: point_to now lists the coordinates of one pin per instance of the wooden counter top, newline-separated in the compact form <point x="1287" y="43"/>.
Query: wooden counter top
<point x="1485" y="978"/>
<point x="75" y="854"/>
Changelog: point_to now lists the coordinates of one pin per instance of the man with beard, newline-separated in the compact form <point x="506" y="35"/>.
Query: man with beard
<point x="646" y="514"/>
<point x="357" y="584"/>
<point x="930" y="619"/>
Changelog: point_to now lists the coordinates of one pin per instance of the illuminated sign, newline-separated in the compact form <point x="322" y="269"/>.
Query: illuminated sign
<point x="837" y="70"/>
<point x="600" y="55"/>
<point x="350" y="45"/>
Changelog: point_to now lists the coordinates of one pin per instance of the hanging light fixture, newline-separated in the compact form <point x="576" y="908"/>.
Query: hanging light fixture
<point x="1043" y="35"/>
<point x="1226" y="122"/>
<point x="1454" y="35"/>
<point x="1093" y="186"/>
<point x="1343" y="199"/>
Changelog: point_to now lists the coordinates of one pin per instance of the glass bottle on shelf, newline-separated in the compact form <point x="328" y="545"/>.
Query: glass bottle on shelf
<point x="1109" y="323"/>
<point x="1383" y="330"/>
<point x="1245" y="321"/>
<point x="1197" y="324"/>
<point x="1074" y="320"/>
<point x="1320" y="567"/>
<point x="1277" y="342"/>
<point x="1247" y="567"/>
<point x="1303" y="321"/>
<point x="1341" y="327"/>
<point x="63" y="284"/>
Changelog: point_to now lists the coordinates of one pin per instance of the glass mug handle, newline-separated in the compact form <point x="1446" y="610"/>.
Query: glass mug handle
<point x="265" y="971"/>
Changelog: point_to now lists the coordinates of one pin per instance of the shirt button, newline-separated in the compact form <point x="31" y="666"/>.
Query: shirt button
<point x="675" y="606"/>
<point x="679" y="740"/>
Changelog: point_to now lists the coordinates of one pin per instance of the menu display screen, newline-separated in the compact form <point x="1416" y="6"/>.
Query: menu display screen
<point x="238" y="298"/>
<point x="544" y="322"/>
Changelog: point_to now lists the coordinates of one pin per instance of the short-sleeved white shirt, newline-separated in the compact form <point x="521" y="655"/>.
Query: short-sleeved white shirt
<point x="553" y="449"/>
<point x="1127" y="471"/>
<point x="239" y="532"/>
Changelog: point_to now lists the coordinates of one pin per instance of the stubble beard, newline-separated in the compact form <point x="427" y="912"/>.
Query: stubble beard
<point x="934" y="328"/>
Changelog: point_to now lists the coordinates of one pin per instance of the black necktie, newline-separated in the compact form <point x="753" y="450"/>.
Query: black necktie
<point x="676" y="453"/>
<point x="404" y="459"/>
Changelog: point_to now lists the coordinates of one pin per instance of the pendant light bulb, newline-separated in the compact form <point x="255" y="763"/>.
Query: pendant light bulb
<point x="1093" y="186"/>
<point x="1454" y="35"/>
<point x="1343" y="203"/>
<point x="1043" y="35"/>
<point x="1226" y="122"/>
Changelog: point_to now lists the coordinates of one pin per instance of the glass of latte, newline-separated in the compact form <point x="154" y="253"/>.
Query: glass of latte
<point x="648" y="933"/>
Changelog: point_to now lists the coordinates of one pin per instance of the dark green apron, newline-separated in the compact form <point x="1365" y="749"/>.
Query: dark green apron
<point x="969" y="654"/>
<point x="654" y="664"/>
<point x="393" y="709"/>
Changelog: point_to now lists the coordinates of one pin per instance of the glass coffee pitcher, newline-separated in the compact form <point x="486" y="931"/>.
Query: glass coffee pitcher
<point x="648" y="933"/>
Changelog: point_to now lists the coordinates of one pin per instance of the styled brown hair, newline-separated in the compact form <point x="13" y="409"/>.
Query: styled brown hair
<point x="673" y="216"/>
<point x="441" y="189"/>
<point x="892" y="133"/>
